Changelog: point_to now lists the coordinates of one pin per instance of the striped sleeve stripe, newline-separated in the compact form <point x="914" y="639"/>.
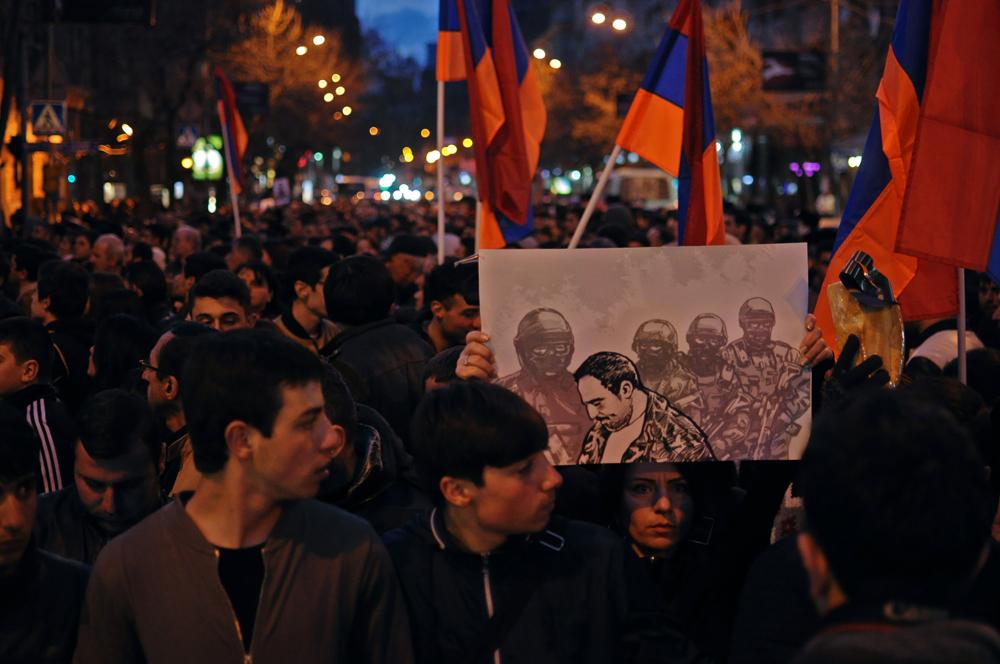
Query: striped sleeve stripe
<point x="37" y="417"/>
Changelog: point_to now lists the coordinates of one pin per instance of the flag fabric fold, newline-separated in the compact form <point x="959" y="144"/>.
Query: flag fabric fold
<point x="925" y="289"/>
<point x="671" y="124"/>
<point x="234" y="134"/>
<point x="450" y="60"/>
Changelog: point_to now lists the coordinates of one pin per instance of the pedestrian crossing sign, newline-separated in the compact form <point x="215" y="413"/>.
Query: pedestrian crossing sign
<point x="48" y="117"/>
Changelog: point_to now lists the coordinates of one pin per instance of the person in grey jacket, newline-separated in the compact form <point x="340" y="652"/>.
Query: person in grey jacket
<point x="248" y="568"/>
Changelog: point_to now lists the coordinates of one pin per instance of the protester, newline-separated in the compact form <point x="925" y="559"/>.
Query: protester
<point x="120" y="342"/>
<point x="60" y="302"/>
<point x="108" y="254"/>
<point x="451" y="302"/>
<point x="40" y="593"/>
<point x="116" y="469"/>
<point x="263" y="286"/>
<point x="221" y="301"/>
<point x="304" y="319"/>
<point x="252" y="568"/>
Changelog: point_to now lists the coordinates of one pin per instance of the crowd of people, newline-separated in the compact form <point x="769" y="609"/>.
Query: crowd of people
<point x="291" y="446"/>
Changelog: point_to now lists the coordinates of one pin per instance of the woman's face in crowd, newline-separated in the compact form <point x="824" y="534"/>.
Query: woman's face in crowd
<point x="657" y="506"/>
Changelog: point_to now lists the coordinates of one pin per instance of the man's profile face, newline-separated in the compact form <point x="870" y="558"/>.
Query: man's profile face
<point x="118" y="492"/>
<point x="293" y="461"/>
<point x="613" y="411"/>
<point x="222" y="313"/>
<point x="155" y="393"/>
<point x="457" y="318"/>
<point x="519" y="498"/>
<point x="18" y="504"/>
<point x="315" y="301"/>
<point x="260" y="294"/>
<point x="404" y="268"/>
<point x="81" y="247"/>
<point x="101" y="258"/>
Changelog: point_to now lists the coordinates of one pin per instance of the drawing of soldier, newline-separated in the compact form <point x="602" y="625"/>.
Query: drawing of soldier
<point x="770" y="372"/>
<point x="655" y="346"/>
<point x="544" y="345"/>
<point x="725" y="408"/>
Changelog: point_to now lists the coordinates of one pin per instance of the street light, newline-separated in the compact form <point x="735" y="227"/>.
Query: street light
<point x="619" y="24"/>
<point x="425" y="133"/>
<point x="328" y="97"/>
<point x="340" y="90"/>
<point x="555" y="63"/>
<point x="301" y="50"/>
<point x="466" y="142"/>
<point x="598" y="18"/>
<point x="539" y="53"/>
<point x="335" y="78"/>
<point x="126" y="128"/>
<point x="373" y="130"/>
<point x="321" y="83"/>
<point x="347" y="110"/>
<point x="318" y="40"/>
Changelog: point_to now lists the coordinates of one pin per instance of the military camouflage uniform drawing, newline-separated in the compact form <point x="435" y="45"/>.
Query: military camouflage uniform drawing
<point x="770" y="372"/>
<point x="660" y="369"/>
<point x="630" y="422"/>
<point x="724" y="412"/>
<point x="544" y="345"/>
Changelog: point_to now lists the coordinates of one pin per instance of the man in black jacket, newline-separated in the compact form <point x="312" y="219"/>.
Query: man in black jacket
<point x="40" y="593"/>
<point x="487" y="576"/>
<point x="386" y="359"/>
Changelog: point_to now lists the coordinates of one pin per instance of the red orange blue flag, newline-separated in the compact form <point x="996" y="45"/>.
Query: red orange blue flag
<point x="233" y="132"/>
<point x="670" y="124"/>
<point x="450" y="60"/>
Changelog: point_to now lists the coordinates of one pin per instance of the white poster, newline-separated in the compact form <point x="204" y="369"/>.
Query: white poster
<point x="667" y="354"/>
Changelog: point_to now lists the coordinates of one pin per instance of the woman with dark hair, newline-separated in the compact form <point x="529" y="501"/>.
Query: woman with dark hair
<point x="120" y="342"/>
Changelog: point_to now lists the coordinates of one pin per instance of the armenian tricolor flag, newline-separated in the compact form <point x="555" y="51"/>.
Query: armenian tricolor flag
<point x="234" y="134"/>
<point x="450" y="60"/>
<point x="670" y="124"/>
<point x="925" y="289"/>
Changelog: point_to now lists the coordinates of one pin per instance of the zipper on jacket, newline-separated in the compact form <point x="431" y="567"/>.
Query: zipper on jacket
<point x="488" y="592"/>
<point x="247" y="654"/>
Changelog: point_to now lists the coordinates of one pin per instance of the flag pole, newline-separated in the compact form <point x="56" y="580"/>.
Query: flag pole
<point x="479" y="222"/>
<point x="440" y="171"/>
<point x="962" y="376"/>
<point x="594" y="197"/>
<point x="234" y="198"/>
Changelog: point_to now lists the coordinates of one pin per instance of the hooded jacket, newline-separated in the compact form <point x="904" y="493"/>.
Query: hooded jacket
<point x="561" y="591"/>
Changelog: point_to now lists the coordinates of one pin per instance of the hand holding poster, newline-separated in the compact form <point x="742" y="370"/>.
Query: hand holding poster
<point x="669" y="354"/>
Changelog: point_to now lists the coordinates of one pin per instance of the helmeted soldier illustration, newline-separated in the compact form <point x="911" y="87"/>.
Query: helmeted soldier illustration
<point x="544" y="345"/>
<point x="658" y="362"/>
<point x="770" y="372"/>
<point x="724" y="412"/>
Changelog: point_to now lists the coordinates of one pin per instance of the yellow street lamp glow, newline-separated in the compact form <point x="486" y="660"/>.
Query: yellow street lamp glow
<point x="598" y="18"/>
<point x="340" y="90"/>
<point x="373" y="130"/>
<point x="56" y="139"/>
<point x="328" y="97"/>
<point x="347" y="110"/>
<point x="335" y="78"/>
<point x="318" y="40"/>
<point x="539" y="53"/>
<point x="126" y="128"/>
<point x="187" y="162"/>
<point x="301" y="50"/>
<point x="321" y="83"/>
<point x="555" y="63"/>
<point x="466" y="142"/>
<point x="433" y="156"/>
<point x="429" y="195"/>
<point x="425" y="133"/>
<point x="619" y="24"/>
<point x="408" y="157"/>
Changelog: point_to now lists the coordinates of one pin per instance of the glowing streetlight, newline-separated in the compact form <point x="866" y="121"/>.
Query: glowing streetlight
<point x="318" y="40"/>
<point x="539" y="53"/>
<point x="433" y="156"/>
<point x="425" y="133"/>
<point x="555" y="63"/>
<point x="126" y="128"/>
<point x="340" y="90"/>
<point x="328" y="97"/>
<point x="347" y="110"/>
<point x="187" y="163"/>
<point x="619" y="24"/>
<point x="598" y="18"/>
<point x="335" y="78"/>
<point x="301" y="50"/>
<point x="321" y="83"/>
<point x="373" y="130"/>
<point x="466" y="142"/>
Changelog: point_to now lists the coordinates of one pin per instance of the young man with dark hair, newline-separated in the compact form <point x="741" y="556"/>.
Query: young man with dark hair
<point x="253" y="568"/>
<point x="405" y="259"/>
<point x="304" y="321"/>
<point x="451" y="301"/>
<point x="632" y="423"/>
<point x="898" y="510"/>
<point x="26" y="357"/>
<point x="372" y="476"/>
<point x="116" y="470"/>
<point x="221" y="300"/>
<point x="163" y="392"/>
<point x="40" y="593"/>
<point x="388" y="358"/>
<point x="194" y="267"/>
<point x="60" y="302"/>
<point x="488" y="574"/>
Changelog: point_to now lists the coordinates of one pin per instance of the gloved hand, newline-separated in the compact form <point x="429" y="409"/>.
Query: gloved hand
<point x="846" y="378"/>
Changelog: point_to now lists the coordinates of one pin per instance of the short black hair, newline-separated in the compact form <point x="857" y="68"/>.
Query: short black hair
<point x="442" y="366"/>
<point x="461" y="429"/>
<point x="448" y="280"/>
<point x="339" y="403"/>
<point x="18" y="445"/>
<point x="200" y="263"/>
<point x="175" y="352"/>
<point x="611" y="369"/>
<point x="218" y="284"/>
<point x="250" y="245"/>
<point x="119" y="343"/>
<point x="114" y="421"/>
<point x="359" y="290"/>
<point x="30" y="256"/>
<point x="880" y="469"/>
<point x="239" y="375"/>
<point x="29" y="340"/>
<point x="149" y="279"/>
<point x="306" y="265"/>
<point x="142" y="252"/>
<point x="67" y="285"/>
